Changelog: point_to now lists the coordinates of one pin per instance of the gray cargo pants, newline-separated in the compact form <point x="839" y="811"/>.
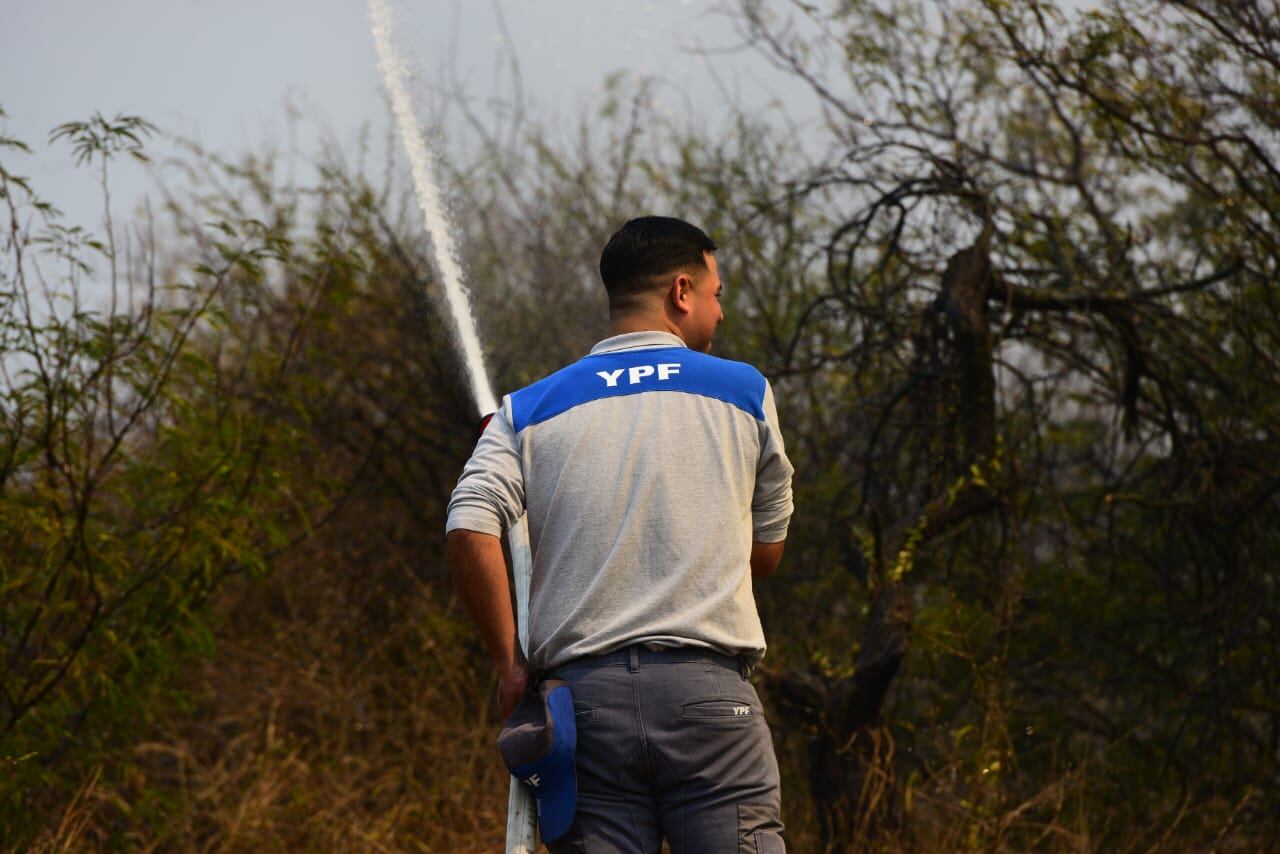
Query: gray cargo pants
<point x="672" y="744"/>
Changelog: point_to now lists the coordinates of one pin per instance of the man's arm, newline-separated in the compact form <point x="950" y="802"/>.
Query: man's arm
<point x="771" y="504"/>
<point x="489" y="498"/>
<point x="765" y="558"/>
<point x="480" y="576"/>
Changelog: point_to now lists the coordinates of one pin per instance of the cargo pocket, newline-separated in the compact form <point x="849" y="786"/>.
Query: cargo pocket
<point x="768" y="842"/>
<point x="759" y="830"/>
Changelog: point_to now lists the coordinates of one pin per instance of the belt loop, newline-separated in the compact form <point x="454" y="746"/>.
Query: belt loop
<point x="743" y="667"/>
<point x="633" y="664"/>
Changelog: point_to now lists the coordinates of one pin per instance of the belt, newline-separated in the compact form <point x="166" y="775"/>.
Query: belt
<point x="638" y="654"/>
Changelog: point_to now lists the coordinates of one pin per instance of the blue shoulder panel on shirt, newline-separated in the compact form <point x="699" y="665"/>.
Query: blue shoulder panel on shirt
<point x="635" y="372"/>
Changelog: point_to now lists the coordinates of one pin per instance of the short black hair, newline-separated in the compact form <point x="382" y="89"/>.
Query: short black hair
<point x="646" y="248"/>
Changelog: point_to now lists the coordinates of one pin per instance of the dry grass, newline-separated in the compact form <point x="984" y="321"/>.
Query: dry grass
<point x="342" y="711"/>
<point x="348" y="708"/>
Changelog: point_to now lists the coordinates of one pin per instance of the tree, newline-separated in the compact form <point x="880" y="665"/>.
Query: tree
<point x="136" y="472"/>
<point x="1051" y="245"/>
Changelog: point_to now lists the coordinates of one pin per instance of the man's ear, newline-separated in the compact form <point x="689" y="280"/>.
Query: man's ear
<point x="682" y="294"/>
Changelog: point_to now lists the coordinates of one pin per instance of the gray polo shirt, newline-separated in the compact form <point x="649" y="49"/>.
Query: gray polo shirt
<point x="647" y="469"/>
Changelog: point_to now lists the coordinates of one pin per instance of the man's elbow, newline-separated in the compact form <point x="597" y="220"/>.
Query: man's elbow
<point x="765" y="558"/>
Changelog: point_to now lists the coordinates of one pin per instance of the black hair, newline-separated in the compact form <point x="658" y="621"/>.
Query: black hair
<point x="645" y="249"/>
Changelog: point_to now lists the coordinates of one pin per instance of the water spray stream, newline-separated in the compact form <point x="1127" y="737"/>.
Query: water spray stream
<point x="521" y="810"/>
<point x="395" y="77"/>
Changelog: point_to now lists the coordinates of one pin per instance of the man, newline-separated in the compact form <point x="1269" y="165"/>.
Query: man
<point x="656" y="486"/>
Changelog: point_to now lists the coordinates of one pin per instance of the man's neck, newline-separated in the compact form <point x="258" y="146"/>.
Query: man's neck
<point x="621" y="324"/>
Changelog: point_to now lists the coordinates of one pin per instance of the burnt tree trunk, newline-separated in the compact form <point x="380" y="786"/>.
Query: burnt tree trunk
<point x="966" y="283"/>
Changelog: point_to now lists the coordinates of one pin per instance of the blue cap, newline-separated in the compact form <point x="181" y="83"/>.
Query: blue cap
<point x="537" y="742"/>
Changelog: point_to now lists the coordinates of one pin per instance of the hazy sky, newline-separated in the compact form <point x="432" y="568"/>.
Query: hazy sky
<point x="222" y="71"/>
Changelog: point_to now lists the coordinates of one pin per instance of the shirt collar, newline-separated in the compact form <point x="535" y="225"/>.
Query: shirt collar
<point x="637" y="341"/>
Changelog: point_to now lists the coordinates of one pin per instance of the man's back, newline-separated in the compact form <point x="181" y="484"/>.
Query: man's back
<point x="647" y="471"/>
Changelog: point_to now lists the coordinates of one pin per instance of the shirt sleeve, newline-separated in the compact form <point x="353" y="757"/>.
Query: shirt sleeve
<point x="489" y="496"/>
<point x="771" y="504"/>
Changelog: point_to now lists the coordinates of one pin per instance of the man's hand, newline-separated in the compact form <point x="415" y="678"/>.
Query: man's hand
<point x="513" y="682"/>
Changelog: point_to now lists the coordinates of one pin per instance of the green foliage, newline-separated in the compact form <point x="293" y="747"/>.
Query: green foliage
<point x="134" y="480"/>
<point x="1017" y="301"/>
<point x="103" y="138"/>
